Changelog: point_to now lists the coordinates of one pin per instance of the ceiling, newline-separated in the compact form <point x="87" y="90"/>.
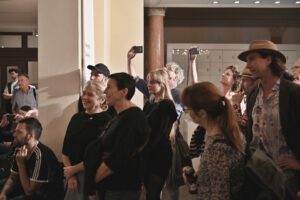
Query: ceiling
<point x="21" y="15"/>
<point x="223" y="3"/>
<point x="18" y="15"/>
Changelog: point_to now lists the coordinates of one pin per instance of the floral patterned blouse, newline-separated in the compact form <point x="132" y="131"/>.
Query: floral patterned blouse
<point x="220" y="172"/>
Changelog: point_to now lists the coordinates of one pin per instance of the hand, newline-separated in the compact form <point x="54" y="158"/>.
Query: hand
<point x="237" y="98"/>
<point x="92" y="197"/>
<point x="288" y="162"/>
<point x="4" y="122"/>
<point x="3" y="196"/>
<point x="297" y="81"/>
<point x="18" y="117"/>
<point x="69" y="171"/>
<point x="131" y="54"/>
<point x="73" y="184"/>
<point x="244" y="120"/>
<point x="21" y="155"/>
<point x="193" y="57"/>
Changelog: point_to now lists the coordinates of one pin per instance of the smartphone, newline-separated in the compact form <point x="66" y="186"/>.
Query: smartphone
<point x="138" y="49"/>
<point x="194" y="51"/>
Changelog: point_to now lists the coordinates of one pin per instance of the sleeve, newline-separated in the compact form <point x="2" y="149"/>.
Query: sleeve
<point x="127" y="141"/>
<point x="141" y="85"/>
<point x="218" y="171"/>
<point x="197" y="142"/>
<point x="40" y="169"/>
<point x="13" y="101"/>
<point x="241" y="118"/>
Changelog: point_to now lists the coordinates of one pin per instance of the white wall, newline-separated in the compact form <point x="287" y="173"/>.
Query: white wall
<point x="59" y="63"/>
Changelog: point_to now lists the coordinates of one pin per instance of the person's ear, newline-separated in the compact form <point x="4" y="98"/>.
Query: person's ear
<point x="269" y="59"/>
<point x="125" y="91"/>
<point x="101" y="100"/>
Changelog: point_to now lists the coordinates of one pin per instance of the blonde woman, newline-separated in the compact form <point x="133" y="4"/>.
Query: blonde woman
<point x="161" y="114"/>
<point x="83" y="128"/>
<point x="220" y="170"/>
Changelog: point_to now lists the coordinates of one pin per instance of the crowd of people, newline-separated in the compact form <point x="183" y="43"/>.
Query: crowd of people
<point x="115" y="150"/>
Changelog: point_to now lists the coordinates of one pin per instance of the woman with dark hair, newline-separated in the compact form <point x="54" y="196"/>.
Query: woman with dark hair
<point x="116" y="165"/>
<point x="83" y="128"/>
<point x="161" y="114"/>
<point x="230" y="81"/>
<point x="221" y="165"/>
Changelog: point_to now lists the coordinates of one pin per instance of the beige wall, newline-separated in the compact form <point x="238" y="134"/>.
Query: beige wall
<point x="59" y="63"/>
<point x="119" y="25"/>
<point x="237" y="35"/>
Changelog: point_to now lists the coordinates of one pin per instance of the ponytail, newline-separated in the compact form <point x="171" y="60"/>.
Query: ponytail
<point x="229" y="125"/>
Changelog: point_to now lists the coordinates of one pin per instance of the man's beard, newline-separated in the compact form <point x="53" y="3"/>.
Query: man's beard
<point x="22" y="143"/>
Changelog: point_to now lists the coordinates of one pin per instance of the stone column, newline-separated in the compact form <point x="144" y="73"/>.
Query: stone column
<point x="155" y="51"/>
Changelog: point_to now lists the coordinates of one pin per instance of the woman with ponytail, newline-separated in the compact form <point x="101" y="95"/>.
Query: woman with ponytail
<point x="220" y="174"/>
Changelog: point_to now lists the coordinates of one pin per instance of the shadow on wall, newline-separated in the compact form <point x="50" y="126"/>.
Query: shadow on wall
<point x="60" y="85"/>
<point x="58" y="98"/>
<point x="55" y="127"/>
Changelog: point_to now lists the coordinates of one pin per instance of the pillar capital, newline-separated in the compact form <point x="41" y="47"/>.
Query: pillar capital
<point x="156" y="12"/>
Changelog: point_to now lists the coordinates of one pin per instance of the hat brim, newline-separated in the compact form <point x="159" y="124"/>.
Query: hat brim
<point x="91" y="67"/>
<point x="243" y="56"/>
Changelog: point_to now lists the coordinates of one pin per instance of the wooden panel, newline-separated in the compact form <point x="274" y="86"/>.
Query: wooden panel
<point x="19" y="54"/>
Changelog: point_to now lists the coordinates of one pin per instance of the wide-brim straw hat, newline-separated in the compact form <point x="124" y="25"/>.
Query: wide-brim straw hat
<point x="264" y="46"/>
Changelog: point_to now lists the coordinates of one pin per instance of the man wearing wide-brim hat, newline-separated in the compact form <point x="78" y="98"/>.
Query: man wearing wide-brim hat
<point x="273" y="108"/>
<point x="296" y="71"/>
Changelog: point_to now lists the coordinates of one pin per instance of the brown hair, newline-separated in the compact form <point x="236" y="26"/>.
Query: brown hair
<point x="206" y="95"/>
<point x="235" y="76"/>
<point x="277" y="65"/>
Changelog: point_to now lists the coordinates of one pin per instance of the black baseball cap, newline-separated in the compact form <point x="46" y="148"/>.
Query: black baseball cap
<point x="101" y="68"/>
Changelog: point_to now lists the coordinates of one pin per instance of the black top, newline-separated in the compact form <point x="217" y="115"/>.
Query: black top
<point x="161" y="117"/>
<point x="42" y="166"/>
<point x="122" y="143"/>
<point x="82" y="129"/>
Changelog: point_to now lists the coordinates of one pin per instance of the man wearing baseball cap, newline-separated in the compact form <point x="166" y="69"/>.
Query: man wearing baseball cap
<point x="296" y="71"/>
<point x="100" y="73"/>
<point x="273" y="109"/>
